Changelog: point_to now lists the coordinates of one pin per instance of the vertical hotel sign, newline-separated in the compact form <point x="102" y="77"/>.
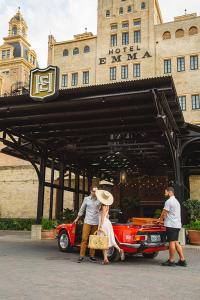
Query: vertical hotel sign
<point x="44" y="83"/>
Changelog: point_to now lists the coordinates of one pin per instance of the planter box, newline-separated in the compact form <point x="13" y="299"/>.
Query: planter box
<point x="194" y="237"/>
<point x="48" y="234"/>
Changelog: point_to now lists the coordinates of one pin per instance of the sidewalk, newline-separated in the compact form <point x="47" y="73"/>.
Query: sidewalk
<point x="14" y="235"/>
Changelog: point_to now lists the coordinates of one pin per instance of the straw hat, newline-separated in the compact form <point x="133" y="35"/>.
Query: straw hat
<point x="104" y="182"/>
<point x="104" y="197"/>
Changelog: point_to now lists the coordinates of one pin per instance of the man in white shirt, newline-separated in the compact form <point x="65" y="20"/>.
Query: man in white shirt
<point x="171" y="216"/>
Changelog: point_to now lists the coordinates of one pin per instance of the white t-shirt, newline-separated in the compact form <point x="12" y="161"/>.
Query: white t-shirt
<point x="173" y="218"/>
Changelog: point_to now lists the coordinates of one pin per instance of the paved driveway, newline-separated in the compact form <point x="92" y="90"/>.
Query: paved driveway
<point x="38" y="271"/>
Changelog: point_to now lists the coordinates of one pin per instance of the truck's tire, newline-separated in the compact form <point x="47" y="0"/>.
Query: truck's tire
<point x="150" y="255"/>
<point x="113" y="254"/>
<point x="64" y="244"/>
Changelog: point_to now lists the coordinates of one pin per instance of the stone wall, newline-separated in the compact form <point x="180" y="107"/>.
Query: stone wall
<point x="195" y="187"/>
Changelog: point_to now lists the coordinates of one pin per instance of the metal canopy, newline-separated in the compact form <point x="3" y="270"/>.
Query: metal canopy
<point x="90" y="127"/>
<point x="100" y="130"/>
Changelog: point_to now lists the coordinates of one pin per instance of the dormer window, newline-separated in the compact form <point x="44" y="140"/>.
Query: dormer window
<point x="86" y="49"/>
<point x="76" y="51"/>
<point x="65" y="52"/>
<point x="14" y="30"/>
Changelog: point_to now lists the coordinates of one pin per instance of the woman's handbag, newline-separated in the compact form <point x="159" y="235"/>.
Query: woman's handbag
<point x="98" y="242"/>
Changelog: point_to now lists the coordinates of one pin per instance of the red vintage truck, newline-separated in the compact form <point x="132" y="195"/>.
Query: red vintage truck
<point x="133" y="238"/>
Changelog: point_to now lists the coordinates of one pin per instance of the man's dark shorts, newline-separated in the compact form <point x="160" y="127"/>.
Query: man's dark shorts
<point x="172" y="234"/>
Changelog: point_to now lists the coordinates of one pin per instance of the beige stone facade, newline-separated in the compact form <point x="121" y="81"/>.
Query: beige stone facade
<point x="133" y="42"/>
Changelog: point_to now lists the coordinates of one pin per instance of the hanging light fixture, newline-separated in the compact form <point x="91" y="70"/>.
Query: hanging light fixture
<point x="123" y="177"/>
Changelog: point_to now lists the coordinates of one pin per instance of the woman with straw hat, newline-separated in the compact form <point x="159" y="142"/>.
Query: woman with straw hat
<point x="105" y="225"/>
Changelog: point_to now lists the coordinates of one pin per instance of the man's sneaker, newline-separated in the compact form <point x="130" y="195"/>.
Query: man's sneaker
<point x="169" y="263"/>
<point x="181" y="263"/>
<point x="93" y="259"/>
<point x="80" y="260"/>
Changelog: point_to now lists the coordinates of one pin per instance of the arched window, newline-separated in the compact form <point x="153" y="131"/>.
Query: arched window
<point x="179" y="33"/>
<point x="86" y="49"/>
<point x="75" y="51"/>
<point x="14" y="30"/>
<point x="65" y="52"/>
<point x="166" y="35"/>
<point x="193" y="30"/>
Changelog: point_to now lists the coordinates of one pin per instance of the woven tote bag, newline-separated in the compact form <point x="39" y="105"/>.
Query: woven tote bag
<point x="98" y="242"/>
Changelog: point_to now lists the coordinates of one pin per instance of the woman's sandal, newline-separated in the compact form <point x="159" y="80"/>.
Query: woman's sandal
<point x="105" y="262"/>
<point x="122" y="255"/>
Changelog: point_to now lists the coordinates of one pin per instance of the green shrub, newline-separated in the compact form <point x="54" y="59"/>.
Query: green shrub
<point x="48" y="224"/>
<point x="16" y="224"/>
<point x="193" y="209"/>
<point x="193" y="225"/>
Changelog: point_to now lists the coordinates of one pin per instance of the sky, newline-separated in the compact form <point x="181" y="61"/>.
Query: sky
<point x="64" y="18"/>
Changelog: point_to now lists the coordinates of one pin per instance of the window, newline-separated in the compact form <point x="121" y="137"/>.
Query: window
<point x="64" y="82"/>
<point x="5" y="54"/>
<point x="129" y="9"/>
<point x="143" y="5"/>
<point x="75" y="51"/>
<point x="14" y="30"/>
<point x="137" y="22"/>
<point x="137" y="36"/>
<point x="181" y="64"/>
<point x="5" y="73"/>
<point x="125" y="25"/>
<point x="182" y="102"/>
<point x="86" y="77"/>
<point x="167" y="66"/>
<point x="124" y="72"/>
<point x="74" y="79"/>
<point x="107" y="14"/>
<point x="65" y="52"/>
<point x="193" y="30"/>
<point x="194" y="63"/>
<point x="121" y="11"/>
<point x="113" y="26"/>
<point x="86" y="49"/>
<point x="195" y="102"/>
<point x="166" y="35"/>
<point x="125" y="38"/>
<point x="113" y="40"/>
<point x="179" y="33"/>
<point x="113" y="73"/>
<point x="136" y="70"/>
<point x="23" y="31"/>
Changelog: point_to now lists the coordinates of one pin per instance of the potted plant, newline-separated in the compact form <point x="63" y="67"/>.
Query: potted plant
<point x="193" y="228"/>
<point x="48" y="229"/>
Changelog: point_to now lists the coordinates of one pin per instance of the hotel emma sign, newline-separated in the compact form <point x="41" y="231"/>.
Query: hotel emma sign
<point x="125" y="54"/>
<point x="44" y="83"/>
